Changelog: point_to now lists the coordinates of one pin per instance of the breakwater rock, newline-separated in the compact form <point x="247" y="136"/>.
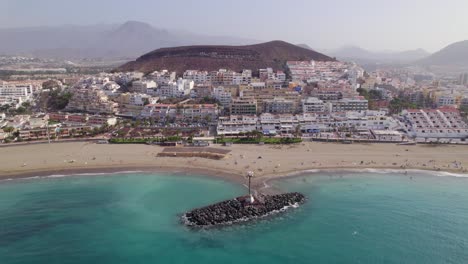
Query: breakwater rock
<point x="240" y="209"/>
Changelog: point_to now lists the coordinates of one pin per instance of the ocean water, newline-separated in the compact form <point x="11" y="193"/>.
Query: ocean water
<point x="134" y="218"/>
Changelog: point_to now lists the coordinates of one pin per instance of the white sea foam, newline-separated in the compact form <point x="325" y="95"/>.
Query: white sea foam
<point x="383" y="171"/>
<point x="450" y="174"/>
<point x="71" y="175"/>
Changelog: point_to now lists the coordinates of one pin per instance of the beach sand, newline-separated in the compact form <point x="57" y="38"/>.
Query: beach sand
<point x="266" y="161"/>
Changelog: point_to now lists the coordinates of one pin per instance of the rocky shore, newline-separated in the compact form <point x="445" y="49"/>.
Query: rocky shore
<point x="240" y="209"/>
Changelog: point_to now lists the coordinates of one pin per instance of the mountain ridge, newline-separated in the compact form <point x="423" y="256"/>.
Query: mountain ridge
<point x="455" y="54"/>
<point x="352" y="52"/>
<point x="272" y="54"/>
<point x="126" y="40"/>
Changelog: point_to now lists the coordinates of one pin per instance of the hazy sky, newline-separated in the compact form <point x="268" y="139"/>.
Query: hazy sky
<point x="323" y="24"/>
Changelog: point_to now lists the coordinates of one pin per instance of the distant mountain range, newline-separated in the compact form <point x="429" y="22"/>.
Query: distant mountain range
<point x="272" y="54"/>
<point x="130" y="39"/>
<point x="305" y="46"/>
<point x="455" y="54"/>
<point x="361" y="55"/>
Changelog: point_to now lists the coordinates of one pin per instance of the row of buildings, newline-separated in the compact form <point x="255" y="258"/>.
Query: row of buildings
<point x="311" y="123"/>
<point x="16" y="93"/>
<point x="434" y="123"/>
<point x="54" y="125"/>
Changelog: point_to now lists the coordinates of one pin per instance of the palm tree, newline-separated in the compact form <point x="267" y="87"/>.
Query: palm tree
<point x="36" y="134"/>
<point x="208" y="118"/>
<point x="297" y="131"/>
<point x="257" y="134"/>
<point x="86" y="131"/>
<point x="8" y="130"/>
<point x="95" y="131"/>
<point x="72" y="132"/>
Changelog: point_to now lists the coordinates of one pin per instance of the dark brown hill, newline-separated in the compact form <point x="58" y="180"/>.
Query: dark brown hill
<point x="272" y="54"/>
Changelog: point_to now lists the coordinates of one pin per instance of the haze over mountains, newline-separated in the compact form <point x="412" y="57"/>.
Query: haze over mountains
<point x="130" y="39"/>
<point x="455" y="54"/>
<point x="361" y="55"/>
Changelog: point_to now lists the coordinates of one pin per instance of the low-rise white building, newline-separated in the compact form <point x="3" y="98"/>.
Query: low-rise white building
<point x="16" y="93"/>
<point x="235" y="125"/>
<point x="435" y="123"/>
<point x="312" y="105"/>
<point x="190" y="112"/>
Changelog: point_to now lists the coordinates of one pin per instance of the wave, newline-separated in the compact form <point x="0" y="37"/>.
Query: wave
<point x="427" y="172"/>
<point x="390" y="171"/>
<point x="267" y="182"/>
<point x="70" y="175"/>
<point x="451" y="174"/>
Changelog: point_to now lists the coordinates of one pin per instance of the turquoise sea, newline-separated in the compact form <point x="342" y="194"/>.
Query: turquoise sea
<point x="134" y="218"/>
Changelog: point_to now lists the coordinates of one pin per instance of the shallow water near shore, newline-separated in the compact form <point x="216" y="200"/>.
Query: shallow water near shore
<point x="134" y="218"/>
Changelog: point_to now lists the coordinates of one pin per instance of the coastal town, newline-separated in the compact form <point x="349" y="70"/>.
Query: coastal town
<point x="239" y="132"/>
<point x="329" y="101"/>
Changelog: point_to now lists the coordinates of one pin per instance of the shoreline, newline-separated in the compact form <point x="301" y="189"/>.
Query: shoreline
<point x="179" y="171"/>
<point x="264" y="185"/>
<point x="268" y="162"/>
<point x="268" y="182"/>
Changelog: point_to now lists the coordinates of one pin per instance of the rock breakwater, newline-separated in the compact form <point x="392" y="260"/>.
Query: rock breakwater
<point x="240" y="209"/>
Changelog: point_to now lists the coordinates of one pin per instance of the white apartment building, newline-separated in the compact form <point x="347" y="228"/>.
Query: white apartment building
<point x="279" y="105"/>
<point x="312" y="105"/>
<point x="168" y="90"/>
<point x="246" y="76"/>
<point x="224" y="97"/>
<point x="236" y="124"/>
<point x="15" y="93"/>
<point x="193" y="112"/>
<point x="184" y="86"/>
<point x="271" y="124"/>
<point x="143" y="86"/>
<point x="162" y="77"/>
<point x="199" y="77"/>
<point x="446" y="100"/>
<point x="349" y="104"/>
<point x="111" y="88"/>
<point x="258" y="85"/>
<point x="281" y="76"/>
<point x="91" y="99"/>
<point x="243" y="106"/>
<point x="266" y="74"/>
<point x="374" y="120"/>
<point x="464" y="101"/>
<point x="127" y="77"/>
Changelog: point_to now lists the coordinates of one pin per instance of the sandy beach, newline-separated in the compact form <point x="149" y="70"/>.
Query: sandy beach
<point x="267" y="161"/>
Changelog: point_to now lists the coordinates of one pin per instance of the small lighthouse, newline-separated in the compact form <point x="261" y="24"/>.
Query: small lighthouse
<point x="251" y="199"/>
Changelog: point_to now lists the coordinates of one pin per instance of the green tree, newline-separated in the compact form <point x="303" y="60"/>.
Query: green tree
<point x="36" y="134"/>
<point x="297" y="131"/>
<point x="363" y="92"/>
<point x="464" y="111"/>
<point x="58" y="99"/>
<point x="8" y="129"/>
